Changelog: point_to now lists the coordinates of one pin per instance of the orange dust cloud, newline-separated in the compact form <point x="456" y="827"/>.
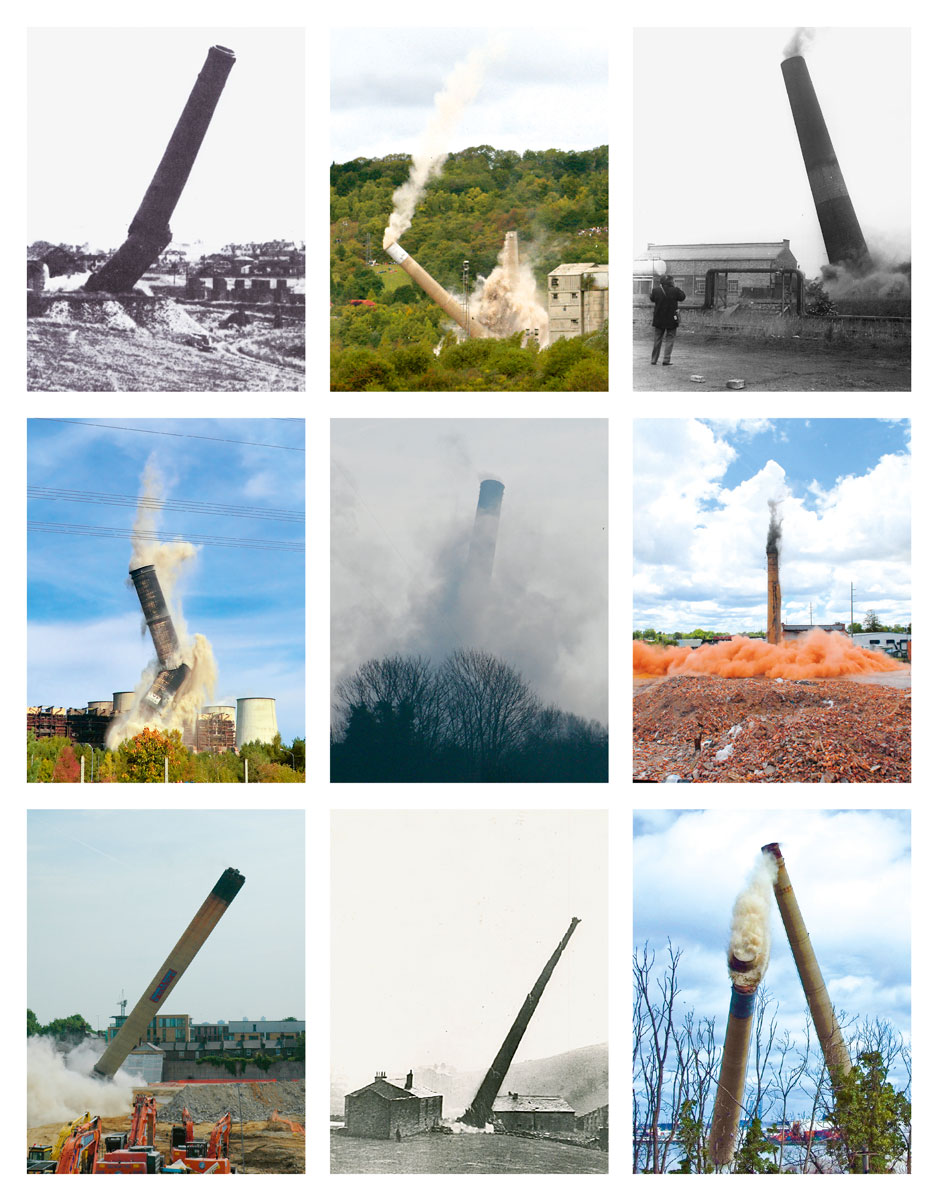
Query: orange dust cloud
<point x="818" y="655"/>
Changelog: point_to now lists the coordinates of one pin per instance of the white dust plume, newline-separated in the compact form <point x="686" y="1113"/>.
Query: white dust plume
<point x="458" y="90"/>
<point x="799" y="42"/>
<point x="60" y="1085"/>
<point x="507" y="301"/>
<point x="749" y="927"/>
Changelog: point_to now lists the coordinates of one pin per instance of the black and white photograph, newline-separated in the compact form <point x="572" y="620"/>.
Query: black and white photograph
<point x="469" y="992"/>
<point x="165" y="210"/>
<point x="469" y="600"/>
<point x="771" y="235"/>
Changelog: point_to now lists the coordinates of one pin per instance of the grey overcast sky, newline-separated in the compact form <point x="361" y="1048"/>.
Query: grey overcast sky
<point x="716" y="157"/>
<point x="851" y="875"/>
<point x="109" y="893"/>
<point x="442" y="979"/>
<point x="102" y="104"/>
<point x="404" y="494"/>
<point x="547" y="89"/>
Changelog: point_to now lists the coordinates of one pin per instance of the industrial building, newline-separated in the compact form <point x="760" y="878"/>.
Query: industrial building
<point x="751" y="270"/>
<point x="887" y="643"/>
<point x="579" y="298"/>
<point x="388" y="1108"/>
<point x="535" y="1114"/>
<point x="791" y="632"/>
<point x="216" y="729"/>
<point x="177" y="1032"/>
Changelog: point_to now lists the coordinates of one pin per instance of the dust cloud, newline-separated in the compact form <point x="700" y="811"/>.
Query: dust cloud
<point x="459" y="89"/>
<point x="171" y="560"/>
<point x="818" y="655"/>
<point x="60" y="1086"/>
<point x="774" y="533"/>
<point x="748" y="949"/>
<point x="508" y="300"/>
<point x="882" y="281"/>
<point x="800" y="41"/>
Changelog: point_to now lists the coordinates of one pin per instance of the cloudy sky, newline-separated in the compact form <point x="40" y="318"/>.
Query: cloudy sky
<point x="443" y="979"/>
<point x="736" y="173"/>
<point x="102" y="105"/>
<point x="851" y="875"/>
<point x="101" y="875"/>
<point x="404" y="494"/>
<point x="544" y="88"/>
<point x="700" y="517"/>
<point x="86" y="637"/>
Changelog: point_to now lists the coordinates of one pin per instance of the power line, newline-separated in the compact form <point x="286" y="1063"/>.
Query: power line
<point x="204" y="539"/>
<point x="155" y="504"/>
<point x="202" y="437"/>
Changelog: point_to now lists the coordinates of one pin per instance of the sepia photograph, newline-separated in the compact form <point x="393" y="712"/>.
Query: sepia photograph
<point x="176" y="596"/>
<point x="771" y="1002"/>
<point x="771" y="210"/>
<point x="772" y="600"/>
<point x="204" y="1073"/>
<point x="469" y="601"/>
<point x="165" y="210"/>
<point x="469" y="209"/>
<point x="469" y="1029"/>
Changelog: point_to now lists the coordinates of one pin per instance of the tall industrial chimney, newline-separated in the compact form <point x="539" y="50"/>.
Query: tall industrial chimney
<point x="486" y="525"/>
<point x="133" y="1030"/>
<point x="434" y="290"/>
<point x="773" y="599"/>
<point x="480" y="1111"/>
<point x="833" y="1047"/>
<point x="173" y="672"/>
<point x="844" y="240"/>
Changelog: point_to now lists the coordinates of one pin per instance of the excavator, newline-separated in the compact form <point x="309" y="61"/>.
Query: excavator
<point x="73" y="1152"/>
<point x="205" y="1158"/>
<point x="134" y="1153"/>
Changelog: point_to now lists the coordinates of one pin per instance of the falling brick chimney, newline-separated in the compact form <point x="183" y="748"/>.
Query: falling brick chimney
<point x="773" y="600"/>
<point x="409" y="1082"/>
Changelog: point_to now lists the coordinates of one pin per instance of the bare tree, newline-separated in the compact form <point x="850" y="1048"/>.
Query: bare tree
<point x="401" y="684"/>
<point x="490" y="709"/>
<point x="654" y="1036"/>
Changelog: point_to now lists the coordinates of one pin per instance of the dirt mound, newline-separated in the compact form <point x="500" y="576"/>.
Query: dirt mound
<point x="705" y="729"/>
<point x="257" y="1101"/>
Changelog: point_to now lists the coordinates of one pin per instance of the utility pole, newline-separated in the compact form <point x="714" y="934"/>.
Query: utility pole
<point x="465" y="277"/>
<point x="852" y="609"/>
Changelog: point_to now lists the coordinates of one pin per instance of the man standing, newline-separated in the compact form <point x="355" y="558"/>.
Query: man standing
<point x="666" y="297"/>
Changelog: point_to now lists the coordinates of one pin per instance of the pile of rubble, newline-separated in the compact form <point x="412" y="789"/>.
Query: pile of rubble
<point x="256" y="1101"/>
<point x="705" y="729"/>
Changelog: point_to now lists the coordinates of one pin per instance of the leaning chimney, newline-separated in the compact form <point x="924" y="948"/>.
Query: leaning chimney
<point x="773" y="599"/>
<point x="486" y="525"/>
<point x="844" y="240"/>
<point x="434" y="290"/>
<point x="409" y="1082"/>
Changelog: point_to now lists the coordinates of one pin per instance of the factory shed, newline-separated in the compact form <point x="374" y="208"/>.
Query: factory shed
<point x="751" y="268"/>
<point x="540" y="1114"/>
<point x="579" y="298"/>
<point x="386" y="1108"/>
<point x="791" y="632"/>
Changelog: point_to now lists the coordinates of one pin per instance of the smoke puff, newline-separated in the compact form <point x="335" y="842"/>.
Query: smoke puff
<point x="60" y="1086"/>
<point x="800" y="41"/>
<point x="749" y="929"/>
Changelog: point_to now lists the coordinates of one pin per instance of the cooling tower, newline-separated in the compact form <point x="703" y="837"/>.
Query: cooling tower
<point x="123" y="702"/>
<point x="256" y="720"/>
<point x="486" y="525"/>
<point x="844" y="241"/>
<point x="133" y="1030"/>
<point x="101" y="708"/>
<point x="434" y="290"/>
<point x="226" y="710"/>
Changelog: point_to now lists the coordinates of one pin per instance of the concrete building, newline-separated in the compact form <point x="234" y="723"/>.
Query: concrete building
<point x="579" y="298"/>
<point x="542" y="1114"/>
<point x="387" y="1107"/>
<point x="749" y="269"/>
<point x="791" y="632"/>
<point x="146" y="1060"/>
<point x="888" y="643"/>
<point x="176" y="1033"/>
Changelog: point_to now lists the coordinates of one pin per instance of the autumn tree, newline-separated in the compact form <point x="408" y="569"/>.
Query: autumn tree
<point x="144" y="757"/>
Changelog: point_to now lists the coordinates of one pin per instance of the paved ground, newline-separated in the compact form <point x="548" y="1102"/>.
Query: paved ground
<point x="461" y="1154"/>
<point x="770" y="366"/>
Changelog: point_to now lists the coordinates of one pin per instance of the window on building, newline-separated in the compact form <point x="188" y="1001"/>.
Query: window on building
<point x="555" y="295"/>
<point x="733" y="286"/>
<point x="555" y="281"/>
<point x="574" y="295"/>
<point x="574" y="320"/>
<point x="699" y="285"/>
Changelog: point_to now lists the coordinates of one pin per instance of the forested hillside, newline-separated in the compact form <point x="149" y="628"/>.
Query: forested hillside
<point x="556" y="200"/>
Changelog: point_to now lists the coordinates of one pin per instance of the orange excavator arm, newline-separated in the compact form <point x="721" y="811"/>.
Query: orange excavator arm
<point x="220" y="1138"/>
<point x="79" y="1150"/>
<point x="143" y="1124"/>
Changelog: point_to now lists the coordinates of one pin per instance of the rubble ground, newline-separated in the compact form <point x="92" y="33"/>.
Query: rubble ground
<point x="708" y="729"/>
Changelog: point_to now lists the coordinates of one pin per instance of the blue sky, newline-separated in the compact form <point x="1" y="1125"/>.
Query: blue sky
<point x="700" y="518"/>
<point x="115" y="864"/>
<point x="85" y="636"/>
<point x="851" y="875"/>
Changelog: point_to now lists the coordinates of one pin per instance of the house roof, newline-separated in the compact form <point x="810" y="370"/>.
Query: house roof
<point x="515" y="1103"/>
<point x="578" y="268"/>
<point x="721" y="250"/>
<point x="394" y="1091"/>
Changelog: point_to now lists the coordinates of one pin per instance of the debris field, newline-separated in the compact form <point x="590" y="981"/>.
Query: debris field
<point x="708" y="729"/>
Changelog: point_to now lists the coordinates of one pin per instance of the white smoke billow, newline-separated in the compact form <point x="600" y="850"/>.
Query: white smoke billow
<point x="507" y="301"/>
<point x="60" y="1085"/>
<point x="749" y="928"/>
<point x="459" y="89"/>
<point x="171" y="560"/>
<point x="799" y="42"/>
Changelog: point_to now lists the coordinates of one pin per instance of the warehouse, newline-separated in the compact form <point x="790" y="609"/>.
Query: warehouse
<point x="541" y="1114"/>
<point x="579" y="298"/>
<point x="389" y="1108"/>
<point x="745" y="269"/>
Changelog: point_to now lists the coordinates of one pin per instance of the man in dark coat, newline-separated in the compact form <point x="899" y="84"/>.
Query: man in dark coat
<point x="666" y="297"/>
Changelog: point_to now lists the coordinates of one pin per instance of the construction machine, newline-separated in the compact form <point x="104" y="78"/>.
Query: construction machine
<point x="72" y="1153"/>
<point x="134" y="1153"/>
<point x="206" y="1157"/>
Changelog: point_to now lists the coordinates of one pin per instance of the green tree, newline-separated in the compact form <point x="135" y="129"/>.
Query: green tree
<point x="145" y="754"/>
<point x="873" y="1118"/>
<point x="692" y="1141"/>
<point x="872" y="622"/>
<point x="756" y="1154"/>
<point x="32" y="1024"/>
<point x="67" y="1029"/>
